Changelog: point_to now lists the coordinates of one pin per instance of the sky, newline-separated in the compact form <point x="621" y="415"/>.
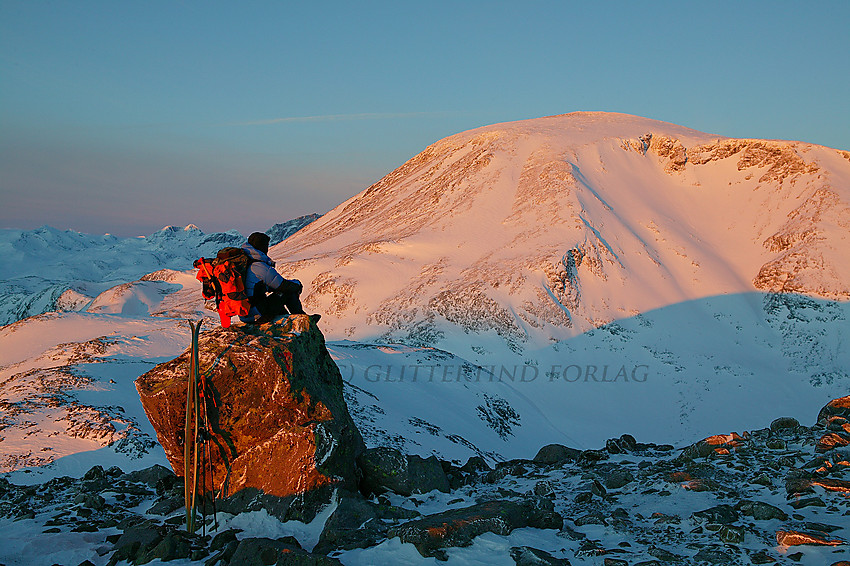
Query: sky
<point x="124" y="117"/>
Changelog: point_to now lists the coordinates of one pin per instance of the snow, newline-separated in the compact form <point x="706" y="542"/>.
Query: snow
<point x="42" y="267"/>
<point x="665" y="237"/>
<point x="25" y="545"/>
<point x="456" y="318"/>
<point x="261" y="524"/>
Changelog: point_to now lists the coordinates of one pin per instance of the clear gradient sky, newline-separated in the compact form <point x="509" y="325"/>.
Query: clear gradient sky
<point x="126" y="116"/>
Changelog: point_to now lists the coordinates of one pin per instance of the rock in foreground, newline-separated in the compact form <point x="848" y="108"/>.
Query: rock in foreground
<point x="278" y="419"/>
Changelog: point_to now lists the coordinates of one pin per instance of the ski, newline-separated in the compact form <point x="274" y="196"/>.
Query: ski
<point x="190" y="438"/>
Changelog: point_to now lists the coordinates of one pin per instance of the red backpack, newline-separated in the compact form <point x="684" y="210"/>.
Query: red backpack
<point x="223" y="279"/>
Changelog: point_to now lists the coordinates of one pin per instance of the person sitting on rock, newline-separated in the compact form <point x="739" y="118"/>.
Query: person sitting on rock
<point x="269" y="293"/>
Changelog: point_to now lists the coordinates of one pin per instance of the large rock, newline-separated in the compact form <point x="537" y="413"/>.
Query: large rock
<point x="556" y="454"/>
<point x="387" y="469"/>
<point x="814" y="538"/>
<point x="279" y="422"/>
<point x="836" y="408"/>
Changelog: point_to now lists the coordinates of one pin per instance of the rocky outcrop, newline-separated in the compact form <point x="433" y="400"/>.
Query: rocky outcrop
<point x="277" y="418"/>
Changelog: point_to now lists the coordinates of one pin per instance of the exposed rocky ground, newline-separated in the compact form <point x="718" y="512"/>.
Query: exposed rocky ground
<point x="778" y="495"/>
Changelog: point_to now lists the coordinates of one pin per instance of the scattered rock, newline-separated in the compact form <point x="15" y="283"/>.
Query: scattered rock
<point x="761" y="511"/>
<point x="784" y="424"/>
<point x="457" y="527"/>
<point x="715" y="555"/>
<point x="266" y="551"/>
<point x="720" y="514"/>
<point x="513" y="494"/>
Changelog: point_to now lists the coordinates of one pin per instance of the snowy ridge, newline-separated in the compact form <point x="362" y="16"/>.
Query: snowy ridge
<point x="281" y="231"/>
<point x="42" y="268"/>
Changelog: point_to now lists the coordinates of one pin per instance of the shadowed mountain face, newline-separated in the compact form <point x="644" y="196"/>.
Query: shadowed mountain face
<point x="525" y="233"/>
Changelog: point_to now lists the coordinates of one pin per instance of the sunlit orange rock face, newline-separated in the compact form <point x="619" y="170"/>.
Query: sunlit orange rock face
<point x="277" y="418"/>
<point x="796" y="538"/>
<point x="720" y="444"/>
<point x="835" y="416"/>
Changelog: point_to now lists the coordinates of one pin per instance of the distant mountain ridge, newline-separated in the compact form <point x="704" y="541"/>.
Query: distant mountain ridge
<point x="43" y="269"/>
<point x="281" y="231"/>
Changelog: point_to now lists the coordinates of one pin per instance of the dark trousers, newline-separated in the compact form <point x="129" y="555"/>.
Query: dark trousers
<point x="285" y="300"/>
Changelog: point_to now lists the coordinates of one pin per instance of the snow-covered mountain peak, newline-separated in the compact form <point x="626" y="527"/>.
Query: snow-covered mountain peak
<point x="172" y="229"/>
<point x="542" y="229"/>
